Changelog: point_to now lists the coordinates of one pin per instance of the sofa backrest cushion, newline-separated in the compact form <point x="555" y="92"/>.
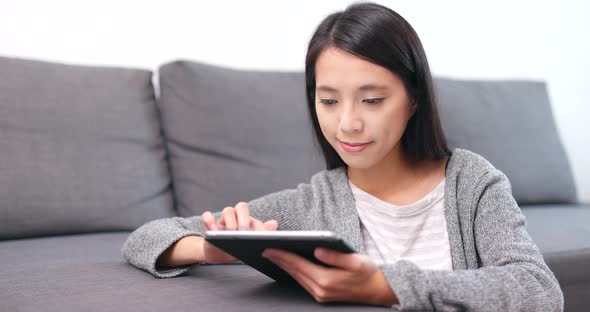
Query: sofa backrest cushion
<point x="81" y="150"/>
<point x="511" y="124"/>
<point x="234" y="135"/>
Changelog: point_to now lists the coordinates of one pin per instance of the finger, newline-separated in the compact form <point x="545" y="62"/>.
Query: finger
<point x="243" y="215"/>
<point x="229" y="218"/>
<point x="221" y="220"/>
<point x="256" y="224"/>
<point x="313" y="288"/>
<point x="307" y="283"/>
<point x="271" y="225"/>
<point x="292" y="260"/>
<point x="345" y="261"/>
<point x="208" y="221"/>
<point x="304" y="279"/>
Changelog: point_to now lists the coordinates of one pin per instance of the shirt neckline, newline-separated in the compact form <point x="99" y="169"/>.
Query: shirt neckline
<point x="408" y="210"/>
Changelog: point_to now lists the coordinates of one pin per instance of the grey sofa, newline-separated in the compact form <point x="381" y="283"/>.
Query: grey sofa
<point x="88" y="154"/>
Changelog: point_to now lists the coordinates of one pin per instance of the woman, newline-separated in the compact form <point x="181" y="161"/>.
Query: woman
<point x="436" y="230"/>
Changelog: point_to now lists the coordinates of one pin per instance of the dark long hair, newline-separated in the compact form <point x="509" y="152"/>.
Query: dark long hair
<point x="381" y="36"/>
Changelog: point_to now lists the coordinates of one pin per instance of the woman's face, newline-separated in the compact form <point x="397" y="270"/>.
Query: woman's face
<point x="360" y="102"/>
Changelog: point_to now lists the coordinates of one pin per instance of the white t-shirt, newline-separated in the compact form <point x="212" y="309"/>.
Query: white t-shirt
<point x="416" y="232"/>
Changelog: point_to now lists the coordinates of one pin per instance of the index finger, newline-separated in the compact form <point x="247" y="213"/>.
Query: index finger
<point x="295" y="265"/>
<point x="292" y="260"/>
<point x="243" y="213"/>
<point x="346" y="261"/>
<point x="208" y="221"/>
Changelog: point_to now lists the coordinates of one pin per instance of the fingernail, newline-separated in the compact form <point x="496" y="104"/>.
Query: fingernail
<point x="213" y="227"/>
<point x="320" y="252"/>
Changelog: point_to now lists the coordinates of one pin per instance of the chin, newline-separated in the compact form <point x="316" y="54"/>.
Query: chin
<point x="357" y="164"/>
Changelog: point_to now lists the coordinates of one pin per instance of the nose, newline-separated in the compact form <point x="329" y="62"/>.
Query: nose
<point x="350" y="121"/>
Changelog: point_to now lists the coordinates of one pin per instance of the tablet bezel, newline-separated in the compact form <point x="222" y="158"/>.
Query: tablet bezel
<point x="247" y="247"/>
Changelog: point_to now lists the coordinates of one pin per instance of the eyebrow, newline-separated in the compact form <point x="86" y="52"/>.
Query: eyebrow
<point x="367" y="87"/>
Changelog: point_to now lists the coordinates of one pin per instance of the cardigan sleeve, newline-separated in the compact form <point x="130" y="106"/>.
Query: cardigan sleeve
<point x="512" y="275"/>
<point x="144" y="245"/>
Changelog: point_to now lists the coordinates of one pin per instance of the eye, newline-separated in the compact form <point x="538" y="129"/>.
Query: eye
<point x="327" y="101"/>
<point x="373" y="101"/>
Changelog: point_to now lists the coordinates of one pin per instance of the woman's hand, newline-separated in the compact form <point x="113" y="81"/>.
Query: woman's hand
<point x="352" y="277"/>
<point x="232" y="219"/>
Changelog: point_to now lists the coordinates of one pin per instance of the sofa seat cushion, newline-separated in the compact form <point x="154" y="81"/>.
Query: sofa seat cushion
<point x="88" y="272"/>
<point x="71" y="273"/>
<point x="562" y="233"/>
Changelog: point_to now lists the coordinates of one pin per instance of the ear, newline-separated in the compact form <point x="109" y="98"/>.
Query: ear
<point x="413" y="107"/>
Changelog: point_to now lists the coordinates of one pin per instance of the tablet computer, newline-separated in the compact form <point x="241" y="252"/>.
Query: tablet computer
<point x="248" y="246"/>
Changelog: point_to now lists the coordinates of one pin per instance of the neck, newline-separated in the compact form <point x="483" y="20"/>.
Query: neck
<point x="393" y="172"/>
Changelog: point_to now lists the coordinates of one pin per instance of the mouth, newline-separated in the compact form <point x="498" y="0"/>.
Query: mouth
<point x="354" y="144"/>
<point x="354" y="147"/>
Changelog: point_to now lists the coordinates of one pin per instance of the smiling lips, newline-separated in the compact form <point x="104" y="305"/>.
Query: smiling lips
<point x="354" y="147"/>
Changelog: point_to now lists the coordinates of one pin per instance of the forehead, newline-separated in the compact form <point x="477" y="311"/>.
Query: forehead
<point x="339" y="69"/>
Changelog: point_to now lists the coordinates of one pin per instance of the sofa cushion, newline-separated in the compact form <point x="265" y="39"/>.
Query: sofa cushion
<point x="562" y="233"/>
<point x="88" y="272"/>
<point x="63" y="274"/>
<point x="234" y="135"/>
<point x="510" y="123"/>
<point x="82" y="150"/>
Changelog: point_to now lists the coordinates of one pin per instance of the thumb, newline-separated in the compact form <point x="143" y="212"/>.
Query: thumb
<point x="345" y="261"/>
<point x="271" y="225"/>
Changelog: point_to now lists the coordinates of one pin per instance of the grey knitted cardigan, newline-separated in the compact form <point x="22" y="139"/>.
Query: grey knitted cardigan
<point x="496" y="265"/>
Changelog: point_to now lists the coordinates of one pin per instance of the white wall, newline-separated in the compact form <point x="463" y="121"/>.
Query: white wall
<point x="493" y="39"/>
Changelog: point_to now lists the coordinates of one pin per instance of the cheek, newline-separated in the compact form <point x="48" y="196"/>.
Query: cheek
<point x="392" y="124"/>
<point x="324" y="121"/>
